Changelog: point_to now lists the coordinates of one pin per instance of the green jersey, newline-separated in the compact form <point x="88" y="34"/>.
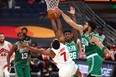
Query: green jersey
<point x="21" y="54"/>
<point x="89" y="47"/>
<point x="102" y="37"/>
<point x="73" y="50"/>
<point x="101" y="53"/>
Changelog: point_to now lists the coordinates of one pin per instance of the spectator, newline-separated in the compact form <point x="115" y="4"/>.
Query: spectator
<point x="27" y="38"/>
<point x="36" y="65"/>
<point x="3" y="4"/>
<point x="113" y="50"/>
<point x="11" y="3"/>
<point x="102" y="37"/>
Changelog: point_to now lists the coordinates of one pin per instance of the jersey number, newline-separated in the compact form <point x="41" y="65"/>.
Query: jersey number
<point x="24" y="55"/>
<point x="64" y="54"/>
<point x="73" y="55"/>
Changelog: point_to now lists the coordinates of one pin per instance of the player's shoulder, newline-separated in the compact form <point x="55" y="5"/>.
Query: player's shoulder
<point x="94" y="34"/>
<point x="61" y="45"/>
<point x="103" y="35"/>
<point x="25" y="41"/>
<point x="7" y="42"/>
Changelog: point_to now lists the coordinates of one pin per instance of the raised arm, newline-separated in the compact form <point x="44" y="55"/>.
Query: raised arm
<point x="56" y="31"/>
<point x="72" y="12"/>
<point x="74" y="31"/>
<point x="59" y="24"/>
<point x="58" y="34"/>
<point x="79" y="44"/>
<point x="96" y="41"/>
<point x="72" y="23"/>
<point x="54" y="26"/>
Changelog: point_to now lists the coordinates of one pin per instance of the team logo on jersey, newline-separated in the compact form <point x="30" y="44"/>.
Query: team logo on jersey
<point x="85" y="42"/>
<point x="22" y="50"/>
<point x="71" y="48"/>
<point x="3" y="52"/>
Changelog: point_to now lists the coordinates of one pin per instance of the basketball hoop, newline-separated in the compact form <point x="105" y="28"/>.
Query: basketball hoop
<point x="51" y="4"/>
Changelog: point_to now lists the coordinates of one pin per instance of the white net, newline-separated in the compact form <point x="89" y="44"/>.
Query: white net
<point x="51" y="4"/>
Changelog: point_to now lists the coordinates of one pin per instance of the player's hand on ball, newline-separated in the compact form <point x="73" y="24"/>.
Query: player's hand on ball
<point x="53" y="13"/>
<point x="58" y="11"/>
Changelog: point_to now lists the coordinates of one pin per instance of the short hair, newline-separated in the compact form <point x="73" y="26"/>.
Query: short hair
<point x="24" y="28"/>
<point x="92" y="24"/>
<point x="66" y="31"/>
<point x="20" y="33"/>
<point x="55" y="44"/>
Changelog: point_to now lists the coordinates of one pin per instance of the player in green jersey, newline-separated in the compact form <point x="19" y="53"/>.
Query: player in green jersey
<point x="103" y="40"/>
<point x="21" y="58"/>
<point x="90" y="41"/>
<point x="71" y="39"/>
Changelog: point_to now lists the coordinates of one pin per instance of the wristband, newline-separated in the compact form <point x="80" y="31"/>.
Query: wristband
<point x="104" y="48"/>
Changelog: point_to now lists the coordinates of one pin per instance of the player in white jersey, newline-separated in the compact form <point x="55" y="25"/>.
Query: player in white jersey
<point x="5" y="47"/>
<point x="60" y="56"/>
<point x="64" y="62"/>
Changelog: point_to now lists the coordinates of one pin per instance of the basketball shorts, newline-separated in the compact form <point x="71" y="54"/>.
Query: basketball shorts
<point x="4" y="72"/>
<point x="22" y="70"/>
<point x="95" y="63"/>
<point x="1" y="71"/>
<point x="75" y="74"/>
<point x="68" y="70"/>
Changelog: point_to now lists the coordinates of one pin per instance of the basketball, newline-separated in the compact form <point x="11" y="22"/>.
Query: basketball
<point x="53" y="14"/>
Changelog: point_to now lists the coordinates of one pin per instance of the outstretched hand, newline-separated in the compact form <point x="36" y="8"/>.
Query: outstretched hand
<point x="58" y="12"/>
<point x="72" y="10"/>
<point x="112" y="56"/>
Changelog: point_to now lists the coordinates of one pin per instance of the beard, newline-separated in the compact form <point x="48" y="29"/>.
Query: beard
<point x="86" y="29"/>
<point x="20" y="39"/>
<point x="1" y="41"/>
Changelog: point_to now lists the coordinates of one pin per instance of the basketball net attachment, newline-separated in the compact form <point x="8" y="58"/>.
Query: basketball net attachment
<point x="51" y="4"/>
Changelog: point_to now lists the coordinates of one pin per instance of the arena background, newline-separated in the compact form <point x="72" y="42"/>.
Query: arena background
<point x="34" y="17"/>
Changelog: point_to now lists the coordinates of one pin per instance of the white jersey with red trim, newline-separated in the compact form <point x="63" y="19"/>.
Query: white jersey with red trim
<point x="62" y="56"/>
<point x="4" y="52"/>
<point x="4" y="49"/>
